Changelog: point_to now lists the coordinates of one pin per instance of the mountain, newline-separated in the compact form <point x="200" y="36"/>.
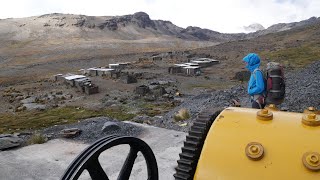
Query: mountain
<point x="128" y="27"/>
<point x="43" y="45"/>
<point x="253" y="27"/>
<point x="285" y="26"/>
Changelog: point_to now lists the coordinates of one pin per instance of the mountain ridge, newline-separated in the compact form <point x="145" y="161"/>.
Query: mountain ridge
<point x="126" y="27"/>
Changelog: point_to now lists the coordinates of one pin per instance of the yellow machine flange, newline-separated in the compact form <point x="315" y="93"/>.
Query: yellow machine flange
<point x="311" y="110"/>
<point x="311" y="120"/>
<point x="311" y="160"/>
<point x="272" y="107"/>
<point x="254" y="151"/>
<point x="265" y="115"/>
<point x="260" y="144"/>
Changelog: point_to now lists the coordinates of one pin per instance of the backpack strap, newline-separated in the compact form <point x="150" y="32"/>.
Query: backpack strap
<point x="254" y="73"/>
<point x="257" y="69"/>
<point x="255" y="77"/>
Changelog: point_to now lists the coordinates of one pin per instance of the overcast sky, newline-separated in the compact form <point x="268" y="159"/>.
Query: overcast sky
<point x="227" y="16"/>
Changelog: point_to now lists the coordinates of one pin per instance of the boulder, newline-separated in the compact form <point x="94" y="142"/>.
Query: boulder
<point x="9" y="141"/>
<point x="110" y="126"/>
<point x="70" y="133"/>
<point x="142" y="90"/>
<point x="128" y="79"/>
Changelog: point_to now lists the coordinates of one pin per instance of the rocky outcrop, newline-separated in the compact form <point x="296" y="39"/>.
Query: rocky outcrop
<point x="141" y="19"/>
<point x="8" y="141"/>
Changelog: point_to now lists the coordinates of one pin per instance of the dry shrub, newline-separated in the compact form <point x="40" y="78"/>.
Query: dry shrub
<point x="37" y="139"/>
<point x="182" y="114"/>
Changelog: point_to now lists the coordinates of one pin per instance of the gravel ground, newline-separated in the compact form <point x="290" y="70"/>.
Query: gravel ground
<point x="92" y="129"/>
<point x="303" y="88"/>
<point x="302" y="91"/>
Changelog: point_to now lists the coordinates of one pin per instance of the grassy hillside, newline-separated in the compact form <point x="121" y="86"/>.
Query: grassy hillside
<point x="294" y="48"/>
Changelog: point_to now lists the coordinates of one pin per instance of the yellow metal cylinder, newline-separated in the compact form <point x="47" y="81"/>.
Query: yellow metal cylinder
<point x="242" y="145"/>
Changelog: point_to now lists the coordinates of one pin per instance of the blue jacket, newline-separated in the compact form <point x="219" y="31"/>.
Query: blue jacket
<point x="256" y="82"/>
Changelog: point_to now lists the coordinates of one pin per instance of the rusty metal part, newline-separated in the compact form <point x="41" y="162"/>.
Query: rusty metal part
<point x="265" y="114"/>
<point x="311" y="160"/>
<point x="311" y="120"/>
<point x="254" y="151"/>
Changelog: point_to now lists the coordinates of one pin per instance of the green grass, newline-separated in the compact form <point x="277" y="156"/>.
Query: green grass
<point x="119" y="113"/>
<point x="154" y="109"/>
<point x="34" y="120"/>
<point x="295" y="57"/>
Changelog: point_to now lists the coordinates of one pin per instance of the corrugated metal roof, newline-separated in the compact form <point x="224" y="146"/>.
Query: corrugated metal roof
<point x="105" y="69"/>
<point x="82" y="79"/>
<point x="101" y="69"/>
<point x="74" y="77"/>
<point x="206" y="59"/>
<point x="191" y="64"/>
<point x="191" y="67"/>
<point x="181" y="65"/>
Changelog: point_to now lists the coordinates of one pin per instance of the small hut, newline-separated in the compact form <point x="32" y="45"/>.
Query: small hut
<point x="192" y="70"/>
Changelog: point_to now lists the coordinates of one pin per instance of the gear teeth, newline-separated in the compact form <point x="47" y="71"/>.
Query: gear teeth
<point x="197" y="128"/>
<point x="185" y="162"/>
<point x="191" y="143"/>
<point x="196" y="133"/>
<point x="191" y="150"/>
<point x="200" y="124"/>
<point x="178" y="176"/>
<point x="193" y="138"/>
<point x="186" y="156"/>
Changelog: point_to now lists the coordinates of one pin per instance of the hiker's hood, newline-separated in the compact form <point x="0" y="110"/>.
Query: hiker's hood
<point x="253" y="61"/>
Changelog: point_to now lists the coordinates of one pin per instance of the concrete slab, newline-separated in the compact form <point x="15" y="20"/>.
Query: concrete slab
<point x="50" y="160"/>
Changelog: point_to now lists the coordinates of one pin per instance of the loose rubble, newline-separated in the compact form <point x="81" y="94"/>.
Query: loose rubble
<point x="302" y="91"/>
<point x="93" y="129"/>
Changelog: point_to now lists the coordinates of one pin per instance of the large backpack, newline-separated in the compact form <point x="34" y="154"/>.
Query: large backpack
<point x="275" y="91"/>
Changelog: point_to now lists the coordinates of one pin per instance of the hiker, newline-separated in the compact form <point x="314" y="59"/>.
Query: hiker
<point x="256" y="86"/>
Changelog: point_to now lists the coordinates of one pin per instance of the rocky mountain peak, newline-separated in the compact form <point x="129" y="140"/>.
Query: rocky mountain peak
<point x="253" y="27"/>
<point x="141" y="16"/>
<point x="143" y="20"/>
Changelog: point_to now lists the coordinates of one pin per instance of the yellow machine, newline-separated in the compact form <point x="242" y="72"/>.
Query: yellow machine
<point x="237" y="143"/>
<point x="241" y="143"/>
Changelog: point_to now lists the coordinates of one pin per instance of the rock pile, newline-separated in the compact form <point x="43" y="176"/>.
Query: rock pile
<point x="302" y="91"/>
<point x="95" y="128"/>
<point x="303" y="88"/>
